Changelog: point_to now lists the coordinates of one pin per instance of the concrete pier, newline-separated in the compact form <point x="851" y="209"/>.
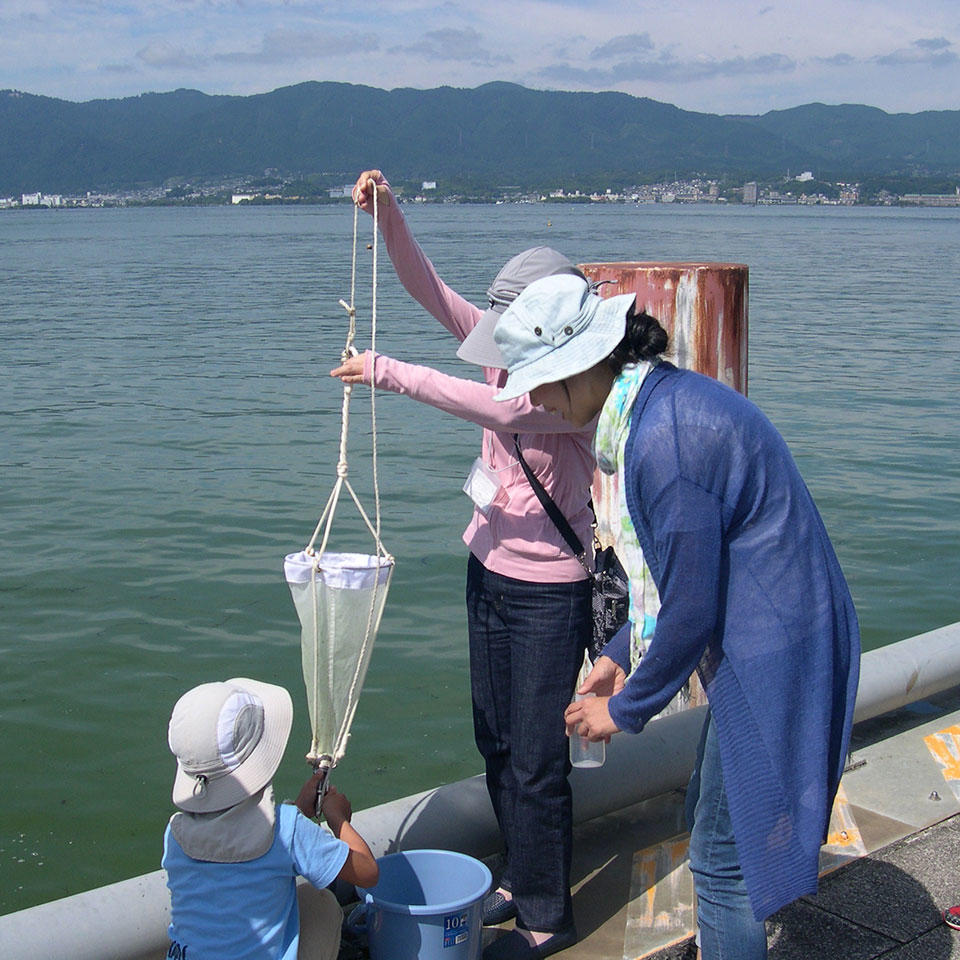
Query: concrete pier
<point x="883" y="885"/>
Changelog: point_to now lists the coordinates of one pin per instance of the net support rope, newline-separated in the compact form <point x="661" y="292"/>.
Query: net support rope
<point x="324" y="760"/>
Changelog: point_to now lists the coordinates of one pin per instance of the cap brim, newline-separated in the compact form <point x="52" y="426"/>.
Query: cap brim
<point x="257" y="770"/>
<point x="593" y="344"/>
<point x="479" y="346"/>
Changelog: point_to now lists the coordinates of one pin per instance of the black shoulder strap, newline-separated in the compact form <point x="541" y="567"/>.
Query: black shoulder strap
<point x="553" y="511"/>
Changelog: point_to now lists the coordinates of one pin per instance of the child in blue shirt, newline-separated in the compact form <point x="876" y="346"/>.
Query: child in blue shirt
<point x="231" y="855"/>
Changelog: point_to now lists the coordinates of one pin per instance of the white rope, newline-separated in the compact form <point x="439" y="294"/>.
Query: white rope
<point x="349" y="350"/>
<point x="326" y="518"/>
<point x="373" y="361"/>
<point x="343" y="734"/>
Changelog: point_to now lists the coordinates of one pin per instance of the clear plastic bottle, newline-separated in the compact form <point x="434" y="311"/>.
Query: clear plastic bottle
<point x="584" y="753"/>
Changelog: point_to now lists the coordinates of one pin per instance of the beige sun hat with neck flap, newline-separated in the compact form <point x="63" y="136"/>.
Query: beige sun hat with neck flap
<point x="229" y="738"/>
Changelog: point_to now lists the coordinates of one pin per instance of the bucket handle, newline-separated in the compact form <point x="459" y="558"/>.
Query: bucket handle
<point x="356" y="923"/>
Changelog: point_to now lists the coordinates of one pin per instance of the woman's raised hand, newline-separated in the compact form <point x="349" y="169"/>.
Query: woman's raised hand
<point x="363" y="190"/>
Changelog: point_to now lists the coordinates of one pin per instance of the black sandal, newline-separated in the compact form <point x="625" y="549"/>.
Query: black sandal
<point x="497" y="909"/>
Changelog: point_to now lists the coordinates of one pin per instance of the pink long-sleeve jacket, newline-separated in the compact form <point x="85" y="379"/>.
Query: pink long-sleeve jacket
<point x="514" y="538"/>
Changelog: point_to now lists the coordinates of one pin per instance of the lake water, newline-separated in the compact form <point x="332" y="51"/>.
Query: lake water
<point x="169" y="433"/>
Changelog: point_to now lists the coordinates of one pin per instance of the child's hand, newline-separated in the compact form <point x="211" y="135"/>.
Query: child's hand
<point x="307" y="797"/>
<point x="336" y="808"/>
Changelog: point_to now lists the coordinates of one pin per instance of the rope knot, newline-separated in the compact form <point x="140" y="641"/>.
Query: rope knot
<point x="342" y="469"/>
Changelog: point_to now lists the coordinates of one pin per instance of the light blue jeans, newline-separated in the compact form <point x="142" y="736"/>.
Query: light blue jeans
<point x="728" y="930"/>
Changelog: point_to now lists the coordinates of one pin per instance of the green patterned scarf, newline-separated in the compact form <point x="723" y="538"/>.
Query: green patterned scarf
<point x="609" y="442"/>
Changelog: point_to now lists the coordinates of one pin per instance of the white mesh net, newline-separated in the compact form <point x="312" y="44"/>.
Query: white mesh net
<point x="339" y="599"/>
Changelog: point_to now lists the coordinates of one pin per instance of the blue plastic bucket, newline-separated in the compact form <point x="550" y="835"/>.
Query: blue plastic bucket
<point x="427" y="905"/>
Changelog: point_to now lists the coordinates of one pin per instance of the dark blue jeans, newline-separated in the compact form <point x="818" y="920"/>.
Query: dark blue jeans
<point x="526" y="646"/>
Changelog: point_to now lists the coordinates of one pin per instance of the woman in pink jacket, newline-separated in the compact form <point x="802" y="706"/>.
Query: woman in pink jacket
<point x="528" y="597"/>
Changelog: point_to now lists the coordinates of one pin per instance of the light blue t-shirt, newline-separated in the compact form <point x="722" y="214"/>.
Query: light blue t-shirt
<point x="248" y="911"/>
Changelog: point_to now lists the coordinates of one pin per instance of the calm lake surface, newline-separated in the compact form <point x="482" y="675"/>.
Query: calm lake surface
<point x="169" y="432"/>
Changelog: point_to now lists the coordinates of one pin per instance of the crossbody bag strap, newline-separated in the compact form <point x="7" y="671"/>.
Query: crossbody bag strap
<point x="553" y="511"/>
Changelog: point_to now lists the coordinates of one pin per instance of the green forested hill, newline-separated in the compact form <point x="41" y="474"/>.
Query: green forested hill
<point x="865" y="140"/>
<point x="498" y="133"/>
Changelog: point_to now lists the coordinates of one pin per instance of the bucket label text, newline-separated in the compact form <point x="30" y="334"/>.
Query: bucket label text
<point x="456" y="929"/>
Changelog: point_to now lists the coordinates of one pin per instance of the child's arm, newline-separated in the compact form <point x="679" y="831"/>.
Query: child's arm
<point x="360" y="867"/>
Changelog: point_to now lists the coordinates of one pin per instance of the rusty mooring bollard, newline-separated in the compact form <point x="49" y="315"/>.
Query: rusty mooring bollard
<point x="703" y="307"/>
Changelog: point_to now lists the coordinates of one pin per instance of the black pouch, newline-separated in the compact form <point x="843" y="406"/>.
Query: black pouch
<point x="611" y="600"/>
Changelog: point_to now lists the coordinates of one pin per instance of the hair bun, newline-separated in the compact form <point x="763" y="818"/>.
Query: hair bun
<point x="644" y="339"/>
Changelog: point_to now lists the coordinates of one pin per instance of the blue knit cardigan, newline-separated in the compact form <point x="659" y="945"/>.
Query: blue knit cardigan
<point x="753" y="597"/>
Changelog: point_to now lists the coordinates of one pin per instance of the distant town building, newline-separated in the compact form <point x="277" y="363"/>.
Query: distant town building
<point x="335" y="193"/>
<point x="849" y="193"/>
<point x="429" y="185"/>
<point x="776" y="198"/>
<point x="750" y="192"/>
<point x="932" y="199"/>
<point x="41" y="200"/>
<point x="242" y="197"/>
<point x="804" y="177"/>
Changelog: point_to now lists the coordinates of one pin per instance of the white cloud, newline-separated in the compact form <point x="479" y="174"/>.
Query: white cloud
<point x="168" y="56"/>
<point x="933" y="43"/>
<point x="465" y="46"/>
<point x="934" y="52"/>
<point x="669" y="69"/>
<point x="288" y="46"/>
<point x="628" y="44"/>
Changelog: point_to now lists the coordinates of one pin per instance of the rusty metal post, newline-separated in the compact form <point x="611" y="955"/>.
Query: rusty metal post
<point x="703" y="308"/>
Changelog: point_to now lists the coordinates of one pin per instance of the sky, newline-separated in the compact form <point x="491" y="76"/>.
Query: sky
<point x="705" y="55"/>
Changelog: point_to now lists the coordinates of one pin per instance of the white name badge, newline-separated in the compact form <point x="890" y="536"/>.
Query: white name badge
<point x="482" y="485"/>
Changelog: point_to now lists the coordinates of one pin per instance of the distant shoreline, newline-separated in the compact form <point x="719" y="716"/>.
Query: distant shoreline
<point x="932" y="203"/>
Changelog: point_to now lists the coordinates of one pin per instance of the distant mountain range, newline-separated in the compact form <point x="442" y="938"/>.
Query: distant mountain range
<point x="499" y="134"/>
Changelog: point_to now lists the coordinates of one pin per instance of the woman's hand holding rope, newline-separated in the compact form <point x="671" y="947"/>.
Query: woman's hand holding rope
<point x="363" y="190"/>
<point x="351" y="370"/>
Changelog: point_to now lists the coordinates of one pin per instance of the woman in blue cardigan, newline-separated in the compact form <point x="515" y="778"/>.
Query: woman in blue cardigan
<point x="751" y="594"/>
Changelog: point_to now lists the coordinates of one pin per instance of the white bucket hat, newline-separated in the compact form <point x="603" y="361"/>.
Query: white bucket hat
<point x="557" y="327"/>
<point x="519" y="271"/>
<point x="228" y="739"/>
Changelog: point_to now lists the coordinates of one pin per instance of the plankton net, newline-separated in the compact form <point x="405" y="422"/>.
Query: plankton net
<point x="339" y="597"/>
